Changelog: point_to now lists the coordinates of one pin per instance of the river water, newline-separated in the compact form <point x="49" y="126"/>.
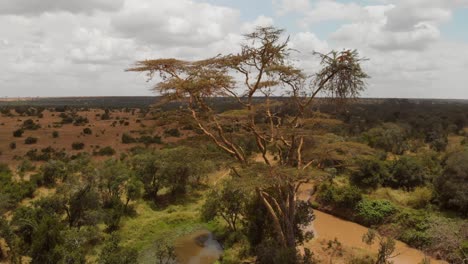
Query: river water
<point x="201" y="248"/>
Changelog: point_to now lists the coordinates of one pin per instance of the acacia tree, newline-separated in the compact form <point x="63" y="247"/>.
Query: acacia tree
<point x="263" y="68"/>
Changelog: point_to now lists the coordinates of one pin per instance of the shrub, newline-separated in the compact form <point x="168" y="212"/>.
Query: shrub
<point x="106" y="151"/>
<point x="346" y="197"/>
<point x="18" y="133"/>
<point x="389" y="137"/>
<point x="173" y="132"/>
<point x="30" y="125"/>
<point x="374" y="212"/>
<point x="30" y="140"/>
<point x="127" y="139"/>
<point x="77" y="145"/>
<point x="55" y="134"/>
<point x="452" y="185"/>
<point x="148" y="140"/>
<point x="371" y="173"/>
<point x="80" y="120"/>
<point x="13" y="145"/>
<point x="407" y="172"/>
<point x="87" y="131"/>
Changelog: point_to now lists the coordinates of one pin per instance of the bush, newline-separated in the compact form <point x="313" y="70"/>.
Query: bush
<point x="148" y="140"/>
<point x="345" y="197"/>
<point x="374" y="212"/>
<point x="55" y="134"/>
<point x="106" y="151"/>
<point x="173" y="132"/>
<point x="77" y="145"/>
<point x="18" y="133"/>
<point x="80" y="120"/>
<point x="371" y="173"/>
<point x="127" y="139"/>
<point x="87" y="131"/>
<point x="30" y="140"/>
<point x="452" y="185"/>
<point x="13" y="145"/>
<point x="407" y="172"/>
<point x="30" y="125"/>
<point x="390" y="137"/>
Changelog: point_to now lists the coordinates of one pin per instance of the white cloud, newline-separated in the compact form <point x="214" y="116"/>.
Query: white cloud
<point x="175" y="22"/>
<point x="261" y="21"/>
<point x="68" y="47"/>
<point x="34" y="7"/>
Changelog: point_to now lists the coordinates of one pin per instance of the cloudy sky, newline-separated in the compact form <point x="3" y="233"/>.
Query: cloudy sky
<point x="417" y="48"/>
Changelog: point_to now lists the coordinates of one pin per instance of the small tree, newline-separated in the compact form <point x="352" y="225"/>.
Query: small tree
<point x="227" y="202"/>
<point x="30" y="140"/>
<point x="386" y="246"/>
<point x="452" y="186"/>
<point x="18" y="133"/>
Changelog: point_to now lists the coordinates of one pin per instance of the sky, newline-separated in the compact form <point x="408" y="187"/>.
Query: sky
<point x="416" y="48"/>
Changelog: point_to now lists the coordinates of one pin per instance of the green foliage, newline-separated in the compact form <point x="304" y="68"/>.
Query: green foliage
<point x="45" y="239"/>
<point x="371" y="173"/>
<point x="113" y="253"/>
<point x="52" y="171"/>
<point x="81" y="203"/>
<point x="413" y="227"/>
<point x="374" y="212"/>
<point x="75" y="244"/>
<point x="407" y="172"/>
<point x="389" y="137"/>
<point x="227" y="202"/>
<point x="345" y="197"/>
<point x="55" y="134"/>
<point x="174" y="169"/>
<point x="12" y="192"/>
<point x="452" y="185"/>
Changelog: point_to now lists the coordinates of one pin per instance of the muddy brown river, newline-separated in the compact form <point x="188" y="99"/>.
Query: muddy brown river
<point x="201" y="248"/>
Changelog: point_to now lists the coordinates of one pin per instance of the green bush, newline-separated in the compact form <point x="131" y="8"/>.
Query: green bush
<point x="407" y="172"/>
<point x="55" y="134"/>
<point x="346" y="197"/>
<point x="371" y="173"/>
<point x="374" y="212"/>
<point x="452" y="186"/>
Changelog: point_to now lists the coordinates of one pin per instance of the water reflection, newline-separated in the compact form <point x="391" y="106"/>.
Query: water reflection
<point x="198" y="248"/>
